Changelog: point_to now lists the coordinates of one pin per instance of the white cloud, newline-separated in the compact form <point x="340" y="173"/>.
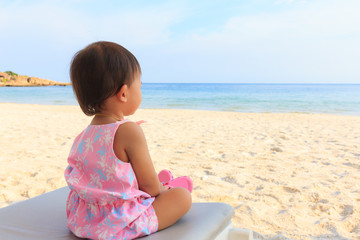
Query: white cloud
<point x="47" y="33"/>
<point x="317" y="43"/>
<point x="313" y="41"/>
<point x="290" y="1"/>
<point x="59" y="20"/>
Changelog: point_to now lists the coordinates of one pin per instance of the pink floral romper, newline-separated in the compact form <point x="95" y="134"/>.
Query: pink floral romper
<point x="105" y="201"/>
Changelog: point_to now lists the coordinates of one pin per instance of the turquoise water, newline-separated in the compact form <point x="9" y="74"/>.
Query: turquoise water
<point x="341" y="99"/>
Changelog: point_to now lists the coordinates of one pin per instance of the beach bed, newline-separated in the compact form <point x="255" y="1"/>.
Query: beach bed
<point x="44" y="217"/>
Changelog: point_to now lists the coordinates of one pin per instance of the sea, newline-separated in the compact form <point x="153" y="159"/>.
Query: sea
<point x="341" y="99"/>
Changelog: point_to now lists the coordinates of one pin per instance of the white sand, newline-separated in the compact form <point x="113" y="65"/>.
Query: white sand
<point x="287" y="175"/>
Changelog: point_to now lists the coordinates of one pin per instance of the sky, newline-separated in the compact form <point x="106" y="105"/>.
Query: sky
<point x="212" y="41"/>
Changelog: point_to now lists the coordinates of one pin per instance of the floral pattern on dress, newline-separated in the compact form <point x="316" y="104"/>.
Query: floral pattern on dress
<point x="105" y="201"/>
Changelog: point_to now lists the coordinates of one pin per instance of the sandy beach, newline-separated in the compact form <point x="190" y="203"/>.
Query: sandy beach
<point x="291" y="175"/>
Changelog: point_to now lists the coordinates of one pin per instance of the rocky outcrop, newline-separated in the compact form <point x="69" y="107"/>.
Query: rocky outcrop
<point x="10" y="79"/>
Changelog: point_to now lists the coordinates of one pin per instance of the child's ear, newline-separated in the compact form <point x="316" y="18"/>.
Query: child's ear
<point x="123" y="93"/>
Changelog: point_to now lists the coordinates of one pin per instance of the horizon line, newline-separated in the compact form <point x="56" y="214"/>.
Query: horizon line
<point x="249" y="83"/>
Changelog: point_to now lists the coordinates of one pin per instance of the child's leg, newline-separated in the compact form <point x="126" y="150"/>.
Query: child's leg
<point x="171" y="205"/>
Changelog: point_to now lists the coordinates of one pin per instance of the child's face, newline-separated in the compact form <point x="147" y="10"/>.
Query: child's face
<point x="134" y="100"/>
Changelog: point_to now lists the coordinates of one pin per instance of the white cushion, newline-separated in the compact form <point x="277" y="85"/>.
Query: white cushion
<point x="44" y="217"/>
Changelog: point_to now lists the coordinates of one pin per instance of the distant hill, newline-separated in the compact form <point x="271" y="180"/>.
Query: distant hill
<point x="11" y="79"/>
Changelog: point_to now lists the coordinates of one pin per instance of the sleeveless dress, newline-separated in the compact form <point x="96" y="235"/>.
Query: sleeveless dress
<point x="105" y="201"/>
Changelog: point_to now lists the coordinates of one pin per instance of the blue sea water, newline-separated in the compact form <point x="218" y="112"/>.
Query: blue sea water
<point x="343" y="99"/>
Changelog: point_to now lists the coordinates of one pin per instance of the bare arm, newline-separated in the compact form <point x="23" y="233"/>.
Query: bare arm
<point x="133" y="142"/>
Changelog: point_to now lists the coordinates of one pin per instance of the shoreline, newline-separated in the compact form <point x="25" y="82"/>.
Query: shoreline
<point x="260" y="98"/>
<point x="200" y="110"/>
<point x="291" y="174"/>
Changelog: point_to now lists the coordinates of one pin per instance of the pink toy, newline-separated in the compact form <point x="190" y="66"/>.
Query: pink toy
<point x="165" y="176"/>
<point x="141" y="122"/>
<point x="167" y="179"/>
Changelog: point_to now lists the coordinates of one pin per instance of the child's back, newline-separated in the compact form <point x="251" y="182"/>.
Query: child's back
<point x="105" y="197"/>
<point x="115" y="190"/>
